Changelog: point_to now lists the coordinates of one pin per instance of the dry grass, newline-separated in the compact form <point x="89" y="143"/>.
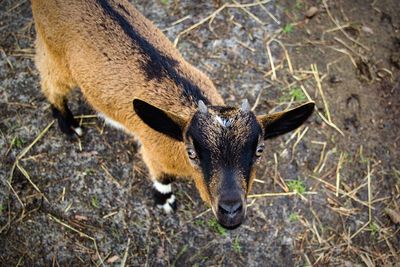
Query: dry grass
<point x="356" y="204"/>
<point x="316" y="241"/>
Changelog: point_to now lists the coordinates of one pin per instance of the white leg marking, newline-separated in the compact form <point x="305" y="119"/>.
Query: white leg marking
<point x="167" y="207"/>
<point x="162" y="188"/>
<point x="112" y="122"/>
<point x="78" y="131"/>
<point x="165" y="189"/>
<point x="171" y="199"/>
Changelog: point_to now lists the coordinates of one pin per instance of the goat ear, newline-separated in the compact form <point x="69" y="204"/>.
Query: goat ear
<point x="282" y="122"/>
<point x="160" y="120"/>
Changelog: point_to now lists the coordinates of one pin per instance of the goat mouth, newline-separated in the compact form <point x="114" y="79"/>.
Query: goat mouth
<point x="229" y="223"/>
<point x="231" y="227"/>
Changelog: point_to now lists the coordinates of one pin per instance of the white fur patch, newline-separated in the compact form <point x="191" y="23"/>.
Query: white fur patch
<point x="224" y="122"/>
<point x="162" y="188"/>
<point x="78" y="131"/>
<point x="167" y="207"/>
<point x="112" y="122"/>
<point x="171" y="199"/>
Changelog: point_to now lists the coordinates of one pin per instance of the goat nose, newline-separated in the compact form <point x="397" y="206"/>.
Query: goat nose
<point x="230" y="209"/>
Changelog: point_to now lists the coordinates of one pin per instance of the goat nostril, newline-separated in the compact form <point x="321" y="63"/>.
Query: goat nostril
<point x="230" y="209"/>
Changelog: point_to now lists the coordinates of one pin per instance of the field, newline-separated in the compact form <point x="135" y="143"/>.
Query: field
<point x="327" y="194"/>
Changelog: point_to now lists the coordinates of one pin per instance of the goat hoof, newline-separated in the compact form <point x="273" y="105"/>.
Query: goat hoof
<point x="169" y="206"/>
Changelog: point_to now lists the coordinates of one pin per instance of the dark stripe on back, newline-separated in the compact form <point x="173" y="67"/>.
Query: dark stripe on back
<point x="156" y="64"/>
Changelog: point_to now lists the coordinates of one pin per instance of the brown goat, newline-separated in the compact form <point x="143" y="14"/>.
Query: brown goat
<point x="132" y="75"/>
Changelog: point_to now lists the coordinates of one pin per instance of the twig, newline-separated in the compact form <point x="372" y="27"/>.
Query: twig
<point x="327" y="154"/>
<point x="25" y="173"/>
<point x="366" y="259"/>
<point x="26" y="150"/>
<point x="321" y="157"/>
<point x="123" y="262"/>
<point x="339" y="166"/>
<point x="286" y="55"/>
<point x="213" y="15"/>
<point x="343" y="31"/>
<point x="192" y="219"/>
<point x="51" y="217"/>
<point x="337" y="28"/>
<point x="16" y="195"/>
<point x="343" y="51"/>
<point x="245" y="46"/>
<point x="258" y="98"/>
<point x="347" y="46"/>
<point x="86" y="116"/>
<point x="109" y="175"/>
<point x="331" y="124"/>
<point x="110" y="214"/>
<point x="173" y="24"/>
<point x="270" y="72"/>
<point x="281" y="194"/>
<point x="281" y="183"/>
<point x="271" y="61"/>
<point x="16" y="6"/>
<point x="248" y="12"/>
<point x="7" y="59"/>
<point x="269" y="13"/>
<point x="369" y="192"/>
<point x="298" y="140"/>
<point x="342" y="192"/>
<point x="194" y="26"/>
<point x="317" y="78"/>
<point x="320" y="114"/>
<point x="359" y="230"/>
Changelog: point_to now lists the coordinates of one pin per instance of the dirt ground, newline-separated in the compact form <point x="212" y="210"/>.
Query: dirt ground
<point x="333" y="185"/>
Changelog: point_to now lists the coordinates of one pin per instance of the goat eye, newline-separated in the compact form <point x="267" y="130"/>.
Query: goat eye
<point x="191" y="153"/>
<point x="260" y="150"/>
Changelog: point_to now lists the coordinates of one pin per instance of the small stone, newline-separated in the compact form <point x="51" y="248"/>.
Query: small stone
<point x="81" y="217"/>
<point x="395" y="59"/>
<point x="335" y="79"/>
<point x="311" y="12"/>
<point x="367" y="29"/>
<point x="112" y="259"/>
<point x="394" y="215"/>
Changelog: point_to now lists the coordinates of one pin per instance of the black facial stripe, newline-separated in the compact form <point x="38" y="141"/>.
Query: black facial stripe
<point x="247" y="157"/>
<point x="156" y="64"/>
<point x="247" y="160"/>
<point x="227" y="148"/>
<point x="205" y="160"/>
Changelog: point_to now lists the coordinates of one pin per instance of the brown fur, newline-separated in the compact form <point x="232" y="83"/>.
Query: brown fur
<point x="115" y="55"/>
<point x="78" y="45"/>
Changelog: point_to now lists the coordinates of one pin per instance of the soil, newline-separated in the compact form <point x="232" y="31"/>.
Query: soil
<point x="84" y="201"/>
